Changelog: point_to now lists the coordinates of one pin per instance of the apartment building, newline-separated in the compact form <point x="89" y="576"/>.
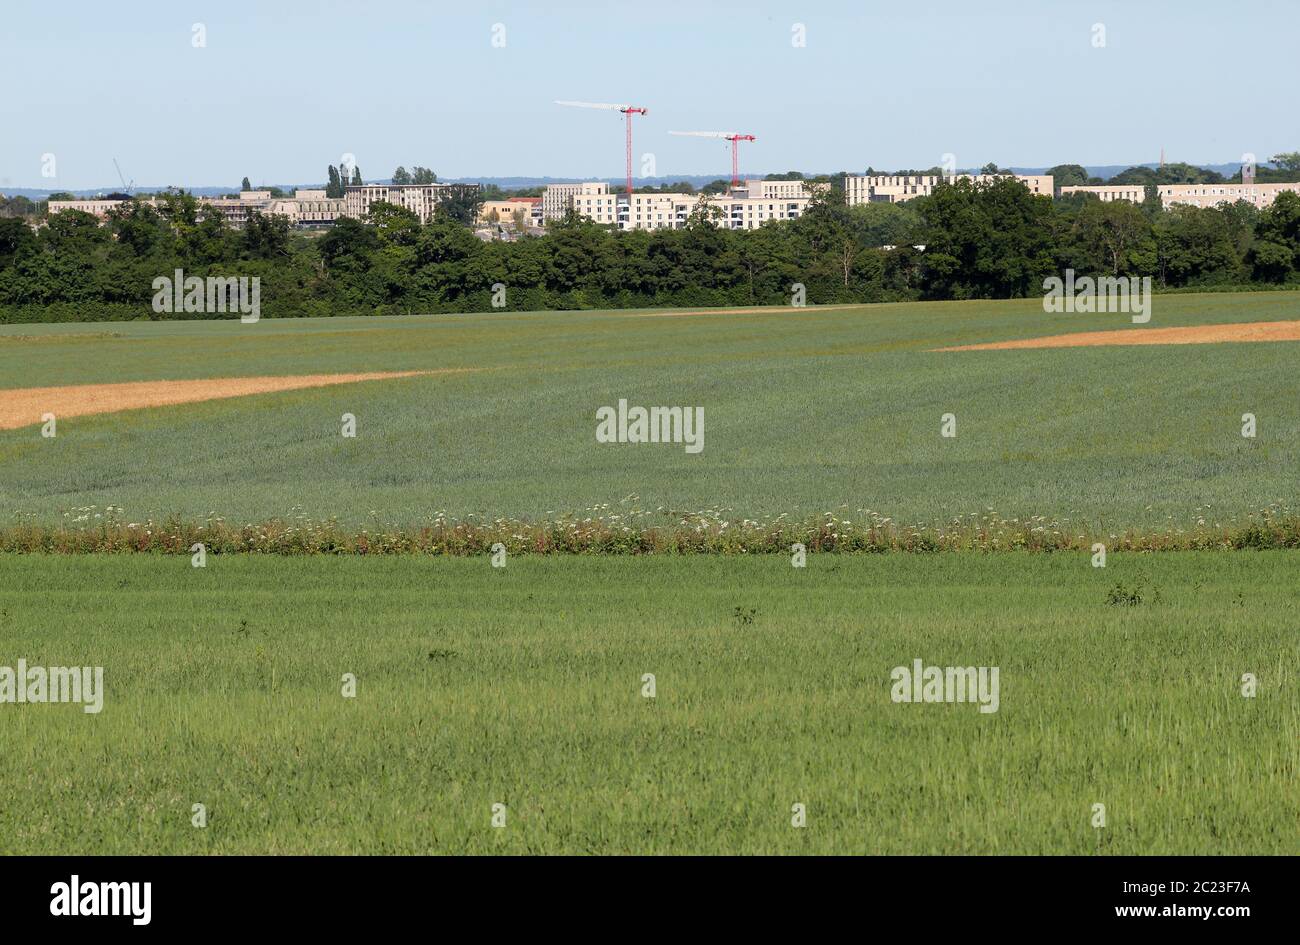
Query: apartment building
<point x="420" y="199"/>
<point x="308" y="208"/>
<point x="237" y="210"/>
<point x="896" y="188"/>
<point x="744" y="208"/>
<point x="1134" y="193"/>
<point x="557" y="198"/>
<point x="304" y="208"/>
<point x="95" y="206"/>
<point x="506" y="210"/>
<point x="1196" y="195"/>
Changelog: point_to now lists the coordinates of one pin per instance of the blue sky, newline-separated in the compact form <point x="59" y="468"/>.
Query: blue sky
<point x="284" y="88"/>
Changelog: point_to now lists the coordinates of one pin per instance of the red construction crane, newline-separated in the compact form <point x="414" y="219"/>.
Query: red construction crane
<point x="731" y="136"/>
<point x="629" y="111"/>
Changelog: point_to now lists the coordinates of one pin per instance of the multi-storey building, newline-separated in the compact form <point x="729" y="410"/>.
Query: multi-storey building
<point x="896" y="188"/>
<point x="304" y="208"/>
<point x="420" y="199"/>
<point x="557" y="198"/>
<point x="745" y="207"/>
<point x="1197" y="195"/>
<point x="308" y="208"/>
<point x="96" y="206"/>
<point x="237" y="210"/>
<point x="1134" y="193"/>
<point x="506" y="211"/>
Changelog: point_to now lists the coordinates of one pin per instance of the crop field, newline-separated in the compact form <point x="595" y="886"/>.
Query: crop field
<point x="806" y="412"/>
<point x="422" y="701"/>
<point x="524" y="686"/>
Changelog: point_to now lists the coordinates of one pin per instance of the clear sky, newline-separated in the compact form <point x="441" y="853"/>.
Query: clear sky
<point x="284" y="88"/>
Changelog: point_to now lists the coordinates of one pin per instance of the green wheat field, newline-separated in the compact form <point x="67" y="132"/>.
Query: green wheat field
<point x="523" y="685"/>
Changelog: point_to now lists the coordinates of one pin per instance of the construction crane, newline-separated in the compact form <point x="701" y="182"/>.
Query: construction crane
<point x="122" y="177"/>
<point x="731" y="136"/>
<point x="629" y="111"/>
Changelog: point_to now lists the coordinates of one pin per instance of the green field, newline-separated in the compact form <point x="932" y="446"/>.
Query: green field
<point x="522" y="686"/>
<point x="806" y="412"/>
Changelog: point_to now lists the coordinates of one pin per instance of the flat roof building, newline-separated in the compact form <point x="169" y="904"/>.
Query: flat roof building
<point x="897" y="188"/>
<point x="1196" y="195"/>
<point x="420" y="199"/>
<point x="744" y="208"/>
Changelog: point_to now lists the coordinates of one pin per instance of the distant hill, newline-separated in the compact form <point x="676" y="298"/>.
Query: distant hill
<point x="1104" y="171"/>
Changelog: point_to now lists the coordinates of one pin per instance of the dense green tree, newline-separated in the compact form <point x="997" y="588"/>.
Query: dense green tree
<point x="401" y="175"/>
<point x="17" y="241"/>
<point x="460" y="204"/>
<point x="1121" y="234"/>
<point x="1068" y="175"/>
<point x="984" y="240"/>
<point x="395" y="226"/>
<point x="1287" y="160"/>
<point x="265" y="236"/>
<point x="1275" y="255"/>
<point x="245" y="186"/>
<point x="967" y="240"/>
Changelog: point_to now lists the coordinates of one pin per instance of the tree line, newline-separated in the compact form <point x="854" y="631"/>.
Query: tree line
<point x="966" y="241"/>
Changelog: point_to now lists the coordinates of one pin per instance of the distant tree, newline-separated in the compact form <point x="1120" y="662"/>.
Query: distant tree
<point x="1287" y="160"/>
<point x="984" y="240"/>
<point x="265" y="236"/>
<point x="138" y="227"/>
<point x="990" y="168"/>
<point x="348" y="246"/>
<point x="1068" y="175"/>
<point x="422" y="175"/>
<point x="705" y="214"/>
<point x="20" y="206"/>
<point x="716" y="187"/>
<point x="16" y="240"/>
<point x="1275" y="255"/>
<point x="460" y="202"/>
<point x="1122" y="230"/>
<point x="334" y="189"/>
<point x="356" y="176"/>
<point x="401" y="175"/>
<point x="1179" y="173"/>
<point x="396" y="225"/>
<point x="245" y="186"/>
<point x="61" y="195"/>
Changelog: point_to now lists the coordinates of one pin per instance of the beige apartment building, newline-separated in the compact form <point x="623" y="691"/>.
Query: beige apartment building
<point x="745" y="208"/>
<point x="304" y="208"/>
<point x="237" y="210"/>
<point x="1197" y="195"/>
<point x="896" y="188"/>
<point x="420" y="199"/>
<point x="1134" y="193"/>
<point x="308" y="208"/>
<point x="96" y="206"/>
<point x="506" y="210"/>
